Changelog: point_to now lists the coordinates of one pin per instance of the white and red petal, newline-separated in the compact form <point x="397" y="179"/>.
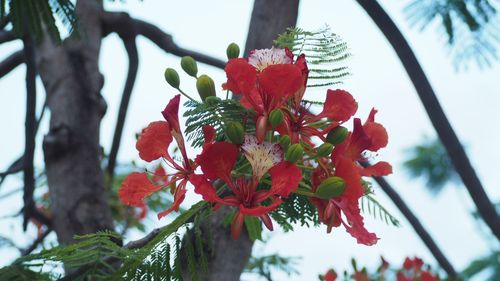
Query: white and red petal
<point x="263" y="58"/>
<point x="262" y="156"/>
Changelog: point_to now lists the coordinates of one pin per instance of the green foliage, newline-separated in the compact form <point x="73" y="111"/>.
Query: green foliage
<point x="215" y="112"/>
<point x="489" y="263"/>
<point x="254" y="228"/>
<point x="471" y="27"/>
<point x="430" y="161"/>
<point x="100" y="257"/>
<point x="325" y="53"/>
<point x="264" y="265"/>
<point x="374" y="208"/>
<point x="33" y="16"/>
<point x="296" y="209"/>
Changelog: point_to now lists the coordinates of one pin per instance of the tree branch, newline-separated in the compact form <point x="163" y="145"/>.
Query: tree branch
<point x="30" y="130"/>
<point x="4" y="21"/>
<point x="37" y="242"/>
<point x="131" y="48"/>
<point x="436" y="114"/>
<point x="11" y="62"/>
<point x="7" y="36"/>
<point x="417" y="226"/>
<point x="118" y="20"/>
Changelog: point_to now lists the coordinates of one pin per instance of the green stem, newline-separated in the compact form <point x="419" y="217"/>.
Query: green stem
<point x="304" y="192"/>
<point x="186" y="95"/>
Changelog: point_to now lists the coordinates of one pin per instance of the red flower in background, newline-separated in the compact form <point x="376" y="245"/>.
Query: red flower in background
<point x="217" y="161"/>
<point x="153" y="144"/>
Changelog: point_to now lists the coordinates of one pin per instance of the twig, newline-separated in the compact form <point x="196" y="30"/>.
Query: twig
<point x="37" y="242"/>
<point x="11" y="62"/>
<point x="4" y="21"/>
<point x="436" y="114"/>
<point x="417" y="226"/>
<point x="30" y="130"/>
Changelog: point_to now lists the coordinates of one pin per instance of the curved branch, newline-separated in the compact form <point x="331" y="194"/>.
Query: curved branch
<point x="11" y="62"/>
<point x="7" y="36"/>
<point x="436" y="114"/>
<point x="118" y="20"/>
<point x="417" y="226"/>
<point x="133" y="56"/>
<point x="4" y="21"/>
<point x="37" y="242"/>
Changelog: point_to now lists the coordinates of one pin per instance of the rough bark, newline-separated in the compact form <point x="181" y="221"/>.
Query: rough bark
<point x="436" y="114"/>
<point x="269" y="18"/>
<point x="71" y="148"/>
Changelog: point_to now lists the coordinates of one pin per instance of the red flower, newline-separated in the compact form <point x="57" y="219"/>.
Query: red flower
<point x="330" y="275"/>
<point x="330" y="211"/>
<point x="153" y="144"/>
<point x="217" y="161"/>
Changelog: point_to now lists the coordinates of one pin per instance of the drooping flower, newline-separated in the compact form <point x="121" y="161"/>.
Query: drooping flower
<point x="153" y="144"/>
<point x="330" y="210"/>
<point x="217" y="162"/>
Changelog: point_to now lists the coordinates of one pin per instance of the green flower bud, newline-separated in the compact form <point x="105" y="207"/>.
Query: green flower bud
<point x="275" y="118"/>
<point x="337" y="135"/>
<point x="331" y="187"/>
<point x="235" y="132"/>
<point x="294" y="153"/>
<point x="212" y="100"/>
<point x="285" y="142"/>
<point x="325" y="149"/>
<point x="205" y="86"/>
<point x="189" y="65"/>
<point x="232" y="51"/>
<point x="172" y="78"/>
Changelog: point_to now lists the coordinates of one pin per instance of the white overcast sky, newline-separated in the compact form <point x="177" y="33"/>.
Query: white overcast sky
<point x="470" y="99"/>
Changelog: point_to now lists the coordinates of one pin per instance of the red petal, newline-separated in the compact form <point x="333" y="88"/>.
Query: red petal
<point x="154" y="141"/>
<point x="241" y="76"/>
<point x="267" y="221"/>
<point x="135" y="188"/>
<point x="180" y="194"/>
<point x="171" y="113"/>
<point x="378" y="135"/>
<point x="348" y="171"/>
<point x="339" y="105"/>
<point x="355" y="225"/>
<point x="427" y="276"/>
<point x="260" y="210"/>
<point x="359" y="141"/>
<point x="381" y="168"/>
<point x="208" y="133"/>
<point x="160" y="176"/>
<point x="285" y="178"/>
<point x="330" y="275"/>
<point x="204" y="188"/>
<point x="280" y="80"/>
<point x="218" y="160"/>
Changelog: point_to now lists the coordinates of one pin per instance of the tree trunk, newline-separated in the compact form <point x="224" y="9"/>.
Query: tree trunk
<point x="269" y="18"/>
<point x="436" y="114"/>
<point x="73" y="83"/>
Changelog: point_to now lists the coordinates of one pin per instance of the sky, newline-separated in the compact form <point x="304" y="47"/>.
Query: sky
<point x="470" y="100"/>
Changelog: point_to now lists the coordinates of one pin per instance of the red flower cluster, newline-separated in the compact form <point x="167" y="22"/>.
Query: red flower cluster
<point x="283" y="142"/>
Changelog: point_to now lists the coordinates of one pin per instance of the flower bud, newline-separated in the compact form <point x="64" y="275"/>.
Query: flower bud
<point x="189" y="66"/>
<point x="232" y="51"/>
<point x="172" y="78"/>
<point x="205" y="86"/>
<point x="261" y="128"/>
<point x="235" y="132"/>
<point x="325" y="149"/>
<point x="285" y="142"/>
<point x="337" y="135"/>
<point x="294" y="153"/>
<point x="331" y="187"/>
<point x="212" y="100"/>
<point x="275" y="118"/>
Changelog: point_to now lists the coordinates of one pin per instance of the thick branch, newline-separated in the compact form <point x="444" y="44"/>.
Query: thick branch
<point x="417" y="226"/>
<point x="115" y="21"/>
<point x="7" y="36"/>
<point x="30" y="130"/>
<point x="11" y="62"/>
<point x="4" y="21"/>
<point x="436" y="114"/>
<point x="131" y="48"/>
